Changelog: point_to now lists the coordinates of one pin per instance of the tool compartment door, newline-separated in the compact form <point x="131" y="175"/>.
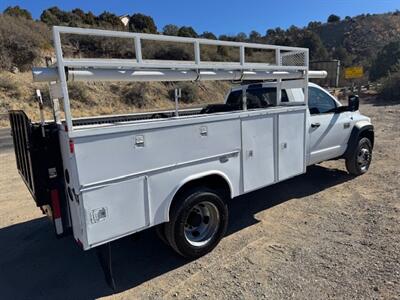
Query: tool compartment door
<point x="258" y="152"/>
<point x="115" y="210"/>
<point x="291" y="144"/>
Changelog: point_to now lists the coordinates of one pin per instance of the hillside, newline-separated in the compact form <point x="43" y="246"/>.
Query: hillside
<point x="99" y="98"/>
<point x="362" y="36"/>
<point x="25" y="42"/>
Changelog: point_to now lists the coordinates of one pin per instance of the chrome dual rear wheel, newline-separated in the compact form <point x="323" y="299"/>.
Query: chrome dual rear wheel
<point x="201" y="224"/>
<point x="198" y="221"/>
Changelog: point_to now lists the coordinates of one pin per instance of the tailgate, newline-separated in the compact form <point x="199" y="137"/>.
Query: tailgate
<point x="39" y="162"/>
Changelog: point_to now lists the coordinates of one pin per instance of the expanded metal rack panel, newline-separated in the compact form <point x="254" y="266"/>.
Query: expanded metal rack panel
<point x="38" y="156"/>
<point x="21" y="132"/>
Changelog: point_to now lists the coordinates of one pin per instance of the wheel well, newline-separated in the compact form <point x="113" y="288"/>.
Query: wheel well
<point x="356" y="135"/>
<point x="368" y="134"/>
<point x="214" y="181"/>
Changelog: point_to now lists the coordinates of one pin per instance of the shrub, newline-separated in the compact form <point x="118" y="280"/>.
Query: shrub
<point x="6" y="83"/>
<point x="333" y="18"/>
<point x="208" y="35"/>
<point x="172" y="53"/>
<point x="170" y="29"/>
<point x="386" y="61"/>
<point x="21" y="42"/>
<point x="390" y="89"/>
<point x="110" y="18"/>
<point x="9" y="86"/>
<point x="54" y="16"/>
<point x="187" y="31"/>
<point x="16" y="11"/>
<point x="189" y="92"/>
<point x="81" y="92"/>
<point x="135" y="94"/>
<point x="142" y="23"/>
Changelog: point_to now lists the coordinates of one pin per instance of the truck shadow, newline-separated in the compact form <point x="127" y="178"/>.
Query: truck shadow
<point x="34" y="264"/>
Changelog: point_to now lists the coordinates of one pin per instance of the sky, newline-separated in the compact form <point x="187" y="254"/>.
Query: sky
<point x="220" y="16"/>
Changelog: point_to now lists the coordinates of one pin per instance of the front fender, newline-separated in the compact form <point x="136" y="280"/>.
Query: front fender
<point x="361" y="129"/>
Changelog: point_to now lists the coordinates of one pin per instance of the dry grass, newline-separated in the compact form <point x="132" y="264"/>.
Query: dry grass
<point x="90" y="99"/>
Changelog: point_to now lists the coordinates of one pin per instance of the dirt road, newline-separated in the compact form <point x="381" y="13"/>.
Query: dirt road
<point x="321" y="235"/>
<point x="5" y="138"/>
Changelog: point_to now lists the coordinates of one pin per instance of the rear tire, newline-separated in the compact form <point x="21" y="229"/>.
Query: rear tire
<point x="198" y="221"/>
<point x="359" y="161"/>
<point x="160" y="230"/>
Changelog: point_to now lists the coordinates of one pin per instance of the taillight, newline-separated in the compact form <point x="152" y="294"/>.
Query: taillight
<point x="71" y="146"/>
<point x="55" y="205"/>
<point x="79" y="243"/>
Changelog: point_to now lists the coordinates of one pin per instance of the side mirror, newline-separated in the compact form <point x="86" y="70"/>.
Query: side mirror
<point x="354" y="102"/>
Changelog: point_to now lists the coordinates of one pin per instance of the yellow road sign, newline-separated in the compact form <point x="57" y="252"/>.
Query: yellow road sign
<point x="353" y="72"/>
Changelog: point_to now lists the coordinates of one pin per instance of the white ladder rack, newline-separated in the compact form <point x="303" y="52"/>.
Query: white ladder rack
<point x="287" y="63"/>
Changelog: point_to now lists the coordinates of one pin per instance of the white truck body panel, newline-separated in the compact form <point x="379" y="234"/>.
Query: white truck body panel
<point x="135" y="184"/>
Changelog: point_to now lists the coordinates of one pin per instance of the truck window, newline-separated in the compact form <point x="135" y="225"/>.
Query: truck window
<point x="260" y="97"/>
<point x="235" y="99"/>
<point x="320" y="102"/>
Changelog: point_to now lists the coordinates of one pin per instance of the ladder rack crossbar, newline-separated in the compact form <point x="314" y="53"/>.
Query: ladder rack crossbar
<point x="278" y="53"/>
<point x="167" y="38"/>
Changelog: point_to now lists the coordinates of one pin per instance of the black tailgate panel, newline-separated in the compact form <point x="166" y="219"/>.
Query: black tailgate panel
<point x="38" y="158"/>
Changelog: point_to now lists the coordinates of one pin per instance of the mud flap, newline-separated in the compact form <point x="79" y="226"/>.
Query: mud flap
<point x="105" y="259"/>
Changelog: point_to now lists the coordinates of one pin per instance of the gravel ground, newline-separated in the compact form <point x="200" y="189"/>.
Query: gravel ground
<point x="321" y="235"/>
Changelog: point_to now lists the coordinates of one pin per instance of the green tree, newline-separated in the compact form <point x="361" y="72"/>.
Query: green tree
<point x="241" y="37"/>
<point x="54" y="16"/>
<point x="314" y="25"/>
<point x="387" y="60"/>
<point x="208" y="35"/>
<point x="142" y="23"/>
<point x="187" y="31"/>
<point x="171" y="29"/>
<point x="312" y="41"/>
<point x="110" y="19"/>
<point x="79" y="13"/>
<point x="341" y="54"/>
<point x="16" y="11"/>
<point x="333" y="18"/>
<point x="255" y="36"/>
<point x="90" y="18"/>
<point x="224" y="37"/>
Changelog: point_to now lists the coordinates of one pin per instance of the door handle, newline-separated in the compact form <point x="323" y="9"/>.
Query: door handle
<point x="315" y="125"/>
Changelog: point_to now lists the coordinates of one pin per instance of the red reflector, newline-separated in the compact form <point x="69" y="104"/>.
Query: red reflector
<point x="65" y="128"/>
<point x="55" y="203"/>
<point x="79" y="243"/>
<point x="71" y="146"/>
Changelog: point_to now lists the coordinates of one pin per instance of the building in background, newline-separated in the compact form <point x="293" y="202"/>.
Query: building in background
<point x="124" y="19"/>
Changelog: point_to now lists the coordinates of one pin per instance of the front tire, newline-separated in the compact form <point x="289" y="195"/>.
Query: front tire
<point x="359" y="161"/>
<point x="198" y="221"/>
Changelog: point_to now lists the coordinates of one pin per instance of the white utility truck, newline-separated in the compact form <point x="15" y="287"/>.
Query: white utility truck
<point x="103" y="178"/>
